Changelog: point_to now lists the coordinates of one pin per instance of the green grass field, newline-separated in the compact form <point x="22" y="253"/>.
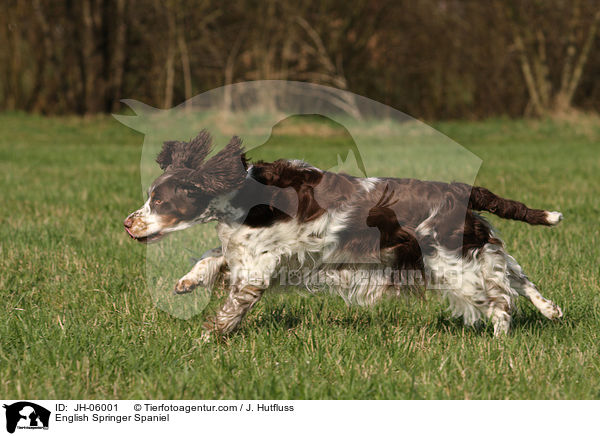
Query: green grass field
<point x="76" y="320"/>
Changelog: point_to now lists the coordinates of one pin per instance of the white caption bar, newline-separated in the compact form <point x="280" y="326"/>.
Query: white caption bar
<point x="73" y="417"/>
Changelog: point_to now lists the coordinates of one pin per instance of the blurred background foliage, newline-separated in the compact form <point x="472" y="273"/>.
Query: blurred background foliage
<point x="433" y="59"/>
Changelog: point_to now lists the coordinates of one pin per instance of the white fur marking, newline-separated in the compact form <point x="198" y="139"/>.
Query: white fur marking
<point x="553" y="218"/>
<point x="369" y="184"/>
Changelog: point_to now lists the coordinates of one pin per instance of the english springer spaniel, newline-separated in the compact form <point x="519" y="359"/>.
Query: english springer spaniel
<point x="360" y="237"/>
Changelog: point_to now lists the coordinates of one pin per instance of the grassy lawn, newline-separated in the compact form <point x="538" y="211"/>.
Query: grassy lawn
<point x="78" y="322"/>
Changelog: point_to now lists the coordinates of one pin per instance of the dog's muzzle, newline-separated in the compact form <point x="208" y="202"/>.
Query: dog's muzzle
<point x="130" y="227"/>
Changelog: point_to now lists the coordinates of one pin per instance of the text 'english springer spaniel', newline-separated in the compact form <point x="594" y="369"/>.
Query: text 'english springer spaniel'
<point x="363" y="238"/>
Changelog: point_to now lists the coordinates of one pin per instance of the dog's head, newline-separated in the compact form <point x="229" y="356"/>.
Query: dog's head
<point x="190" y="188"/>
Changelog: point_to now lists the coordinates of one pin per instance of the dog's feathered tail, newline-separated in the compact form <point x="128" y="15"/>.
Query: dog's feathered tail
<point x="484" y="199"/>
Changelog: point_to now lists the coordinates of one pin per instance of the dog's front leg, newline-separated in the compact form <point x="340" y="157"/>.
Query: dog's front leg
<point x="204" y="273"/>
<point x="251" y="275"/>
<point x="240" y="300"/>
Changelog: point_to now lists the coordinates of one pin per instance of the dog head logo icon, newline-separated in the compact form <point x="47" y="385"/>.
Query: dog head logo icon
<point x="26" y="415"/>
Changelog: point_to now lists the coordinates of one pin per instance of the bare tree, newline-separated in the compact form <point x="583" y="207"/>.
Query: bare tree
<point x="171" y="53"/>
<point x="531" y="46"/>
<point x="91" y="67"/>
<point x="118" y="54"/>
<point x="330" y="73"/>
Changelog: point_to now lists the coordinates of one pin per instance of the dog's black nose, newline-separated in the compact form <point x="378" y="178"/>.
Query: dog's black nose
<point x="128" y="222"/>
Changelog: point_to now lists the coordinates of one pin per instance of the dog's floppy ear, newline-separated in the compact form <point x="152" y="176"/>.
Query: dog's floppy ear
<point x="180" y="154"/>
<point x="194" y="152"/>
<point x="225" y="171"/>
<point x="165" y="157"/>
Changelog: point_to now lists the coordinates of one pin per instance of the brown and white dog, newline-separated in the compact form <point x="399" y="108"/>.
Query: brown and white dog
<point x="288" y="214"/>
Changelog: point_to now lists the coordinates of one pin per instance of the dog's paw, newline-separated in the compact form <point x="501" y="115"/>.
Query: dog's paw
<point x="185" y="286"/>
<point x="551" y="310"/>
<point x="211" y="331"/>
<point x="210" y="325"/>
<point x="555" y="312"/>
<point x="206" y="337"/>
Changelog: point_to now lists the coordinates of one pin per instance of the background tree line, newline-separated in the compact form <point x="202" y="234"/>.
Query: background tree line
<point x="431" y="58"/>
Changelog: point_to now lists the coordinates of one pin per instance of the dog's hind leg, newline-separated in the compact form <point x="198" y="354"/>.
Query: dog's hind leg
<point x="501" y="318"/>
<point x="204" y="272"/>
<point x="501" y="297"/>
<point x="521" y="283"/>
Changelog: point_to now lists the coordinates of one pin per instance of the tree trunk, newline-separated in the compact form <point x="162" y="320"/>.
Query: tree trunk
<point x="118" y="58"/>
<point x="93" y="85"/>
<point x="170" y="67"/>
<point x="229" y="71"/>
<point x="187" y="71"/>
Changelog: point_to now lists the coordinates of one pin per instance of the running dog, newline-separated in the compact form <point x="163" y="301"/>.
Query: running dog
<point x="289" y="214"/>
